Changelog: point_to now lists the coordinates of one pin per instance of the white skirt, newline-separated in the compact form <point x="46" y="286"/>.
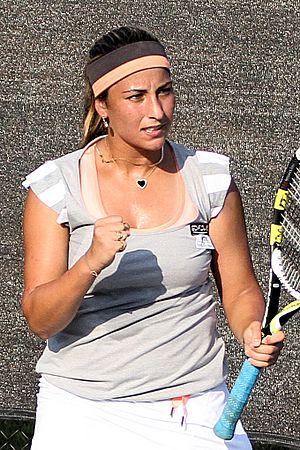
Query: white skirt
<point x="65" y="421"/>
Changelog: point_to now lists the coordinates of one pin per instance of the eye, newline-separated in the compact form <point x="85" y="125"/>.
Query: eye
<point x="135" y="97"/>
<point x="166" y="90"/>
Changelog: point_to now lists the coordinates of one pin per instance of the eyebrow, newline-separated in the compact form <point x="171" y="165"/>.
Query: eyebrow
<point x="168" y="83"/>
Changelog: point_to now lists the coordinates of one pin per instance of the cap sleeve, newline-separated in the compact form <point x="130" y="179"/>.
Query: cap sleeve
<point x="216" y="178"/>
<point x="48" y="185"/>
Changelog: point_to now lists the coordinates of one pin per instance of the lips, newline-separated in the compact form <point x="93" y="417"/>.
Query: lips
<point x="154" y="129"/>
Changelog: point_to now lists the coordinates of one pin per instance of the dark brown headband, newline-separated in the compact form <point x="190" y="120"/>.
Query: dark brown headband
<point x="123" y="61"/>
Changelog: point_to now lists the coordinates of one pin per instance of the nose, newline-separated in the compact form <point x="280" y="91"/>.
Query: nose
<point x="155" y="108"/>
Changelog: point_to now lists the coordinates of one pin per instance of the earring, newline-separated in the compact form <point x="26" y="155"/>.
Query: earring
<point x="105" y="122"/>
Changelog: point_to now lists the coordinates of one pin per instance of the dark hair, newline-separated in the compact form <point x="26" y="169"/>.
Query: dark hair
<point x="92" y="123"/>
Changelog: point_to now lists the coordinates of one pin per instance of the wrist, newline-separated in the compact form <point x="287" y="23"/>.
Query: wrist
<point x="91" y="268"/>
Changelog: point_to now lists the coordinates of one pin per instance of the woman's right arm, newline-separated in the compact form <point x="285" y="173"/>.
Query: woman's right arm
<point x="52" y="293"/>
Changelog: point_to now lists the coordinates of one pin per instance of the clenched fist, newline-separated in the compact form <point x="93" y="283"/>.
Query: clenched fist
<point x="110" y="234"/>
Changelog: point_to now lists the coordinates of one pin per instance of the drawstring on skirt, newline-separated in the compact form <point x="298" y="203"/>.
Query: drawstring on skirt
<point x="180" y="402"/>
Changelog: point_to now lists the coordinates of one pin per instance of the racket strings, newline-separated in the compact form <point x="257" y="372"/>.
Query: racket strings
<point x="294" y="190"/>
<point x="286" y="264"/>
<point x="290" y="235"/>
<point x="291" y="275"/>
<point x="290" y="245"/>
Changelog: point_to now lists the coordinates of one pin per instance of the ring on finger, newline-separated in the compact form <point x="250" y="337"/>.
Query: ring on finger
<point x="119" y="235"/>
<point x="122" y="246"/>
<point x="126" y="226"/>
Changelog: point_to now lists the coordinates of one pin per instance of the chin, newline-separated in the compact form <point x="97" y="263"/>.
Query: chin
<point x="155" y="147"/>
<point x="156" y="143"/>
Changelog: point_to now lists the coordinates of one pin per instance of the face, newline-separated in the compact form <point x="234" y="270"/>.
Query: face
<point x="140" y="109"/>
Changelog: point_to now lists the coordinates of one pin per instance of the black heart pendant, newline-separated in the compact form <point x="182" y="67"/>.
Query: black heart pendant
<point x="142" y="183"/>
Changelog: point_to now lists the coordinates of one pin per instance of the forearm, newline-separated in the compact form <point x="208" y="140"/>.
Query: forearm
<point x="51" y="306"/>
<point x="245" y="315"/>
<point x="247" y="307"/>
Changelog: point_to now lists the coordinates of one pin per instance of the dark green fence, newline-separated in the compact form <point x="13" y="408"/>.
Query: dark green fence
<point x="16" y="430"/>
<point x="16" y="433"/>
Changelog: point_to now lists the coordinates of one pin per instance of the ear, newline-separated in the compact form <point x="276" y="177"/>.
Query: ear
<point x="100" y="107"/>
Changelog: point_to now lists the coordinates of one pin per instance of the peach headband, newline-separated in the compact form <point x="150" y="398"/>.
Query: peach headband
<point x="112" y="67"/>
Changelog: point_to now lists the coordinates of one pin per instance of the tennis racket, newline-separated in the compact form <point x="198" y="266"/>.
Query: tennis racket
<point x="284" y="272"/>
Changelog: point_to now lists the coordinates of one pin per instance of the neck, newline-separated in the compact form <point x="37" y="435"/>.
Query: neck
<point x="129" y="157"/>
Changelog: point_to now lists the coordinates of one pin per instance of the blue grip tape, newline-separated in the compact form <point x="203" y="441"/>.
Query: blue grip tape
<point x="237" y="400"/>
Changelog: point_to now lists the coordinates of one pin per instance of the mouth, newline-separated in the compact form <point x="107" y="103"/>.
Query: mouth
<point x="154" y="129"/>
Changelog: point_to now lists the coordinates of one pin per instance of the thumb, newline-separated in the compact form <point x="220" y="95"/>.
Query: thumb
<point x="252" y="335"/>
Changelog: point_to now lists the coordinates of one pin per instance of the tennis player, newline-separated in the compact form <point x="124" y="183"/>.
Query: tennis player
<point x="120" y="240"/>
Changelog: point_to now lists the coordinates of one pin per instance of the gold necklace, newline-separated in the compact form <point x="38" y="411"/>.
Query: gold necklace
<point x="144" y="164"/>
<point x="142" y="183"/>
<point x="103" y="160"/>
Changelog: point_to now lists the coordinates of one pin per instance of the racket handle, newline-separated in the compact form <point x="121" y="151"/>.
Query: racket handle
<point x="237" y="400"/>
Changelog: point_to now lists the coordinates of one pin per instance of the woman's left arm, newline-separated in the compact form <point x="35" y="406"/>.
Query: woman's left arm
<point x="238" y="287"/>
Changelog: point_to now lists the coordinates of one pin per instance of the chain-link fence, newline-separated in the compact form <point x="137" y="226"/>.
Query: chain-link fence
<point x="16" y="434"/>
<point x="16" y="430"/>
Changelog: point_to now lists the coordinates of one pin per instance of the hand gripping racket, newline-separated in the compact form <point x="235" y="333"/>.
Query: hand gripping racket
<point x="284" y="271"/>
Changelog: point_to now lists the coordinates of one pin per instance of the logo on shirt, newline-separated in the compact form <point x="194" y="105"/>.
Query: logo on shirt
<point x="200" y="230"/>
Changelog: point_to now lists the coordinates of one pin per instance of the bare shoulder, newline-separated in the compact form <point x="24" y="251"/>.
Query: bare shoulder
<point x="228" y="229"/>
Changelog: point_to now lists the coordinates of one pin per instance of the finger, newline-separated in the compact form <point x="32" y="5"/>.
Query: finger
<point x="262" y="364"/>
<point x="256" y="335"/>
<point x="109" y="221"/>
<point x="274" y="338"/>
<point x="123" y="245"/>
<point x="119" y="236"/>
<point x="126" y="226"/>
<point x="123" y="233"/>
<point x="252" y="335"/>
<point x="264" y="351"/>
<point x="111" y="226"/>
<point x="268" y="357"/>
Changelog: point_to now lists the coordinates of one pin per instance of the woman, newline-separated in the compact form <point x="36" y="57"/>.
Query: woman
<point x="117" y="281"/>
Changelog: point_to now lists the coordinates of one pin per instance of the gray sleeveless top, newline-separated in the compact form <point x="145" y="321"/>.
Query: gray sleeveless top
<point x="146" y="329"/>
